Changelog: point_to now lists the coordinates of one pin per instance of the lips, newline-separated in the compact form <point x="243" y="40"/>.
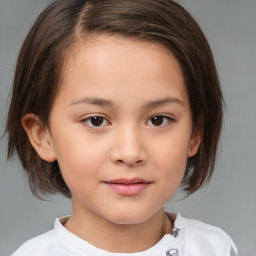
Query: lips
<point x="128" y="187"/>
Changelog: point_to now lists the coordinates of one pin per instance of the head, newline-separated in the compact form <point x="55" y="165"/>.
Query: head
<point x="42" y="61"/>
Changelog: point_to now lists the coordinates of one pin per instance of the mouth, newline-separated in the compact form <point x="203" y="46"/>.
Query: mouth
<point x="128" y="187"/>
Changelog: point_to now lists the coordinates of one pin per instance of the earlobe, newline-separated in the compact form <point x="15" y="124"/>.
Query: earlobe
<point x="195" y="141"/>
<point x="39" y="137"/>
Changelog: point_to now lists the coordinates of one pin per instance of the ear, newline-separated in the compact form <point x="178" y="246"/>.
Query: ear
<point x="39" y="136"/>
<point x="195" y="141"/>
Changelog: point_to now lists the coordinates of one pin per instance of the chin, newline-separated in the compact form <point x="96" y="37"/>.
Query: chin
<point x="129" y="217"/>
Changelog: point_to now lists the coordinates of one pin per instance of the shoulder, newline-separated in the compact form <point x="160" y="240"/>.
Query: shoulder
<point x="38" y="245"/>
<point x="196" y="227"/>
<point x="50" y="243"/>
<point x="207" y="238"/>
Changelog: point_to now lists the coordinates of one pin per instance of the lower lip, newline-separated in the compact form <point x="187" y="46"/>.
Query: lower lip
<point x="128" y="189"/>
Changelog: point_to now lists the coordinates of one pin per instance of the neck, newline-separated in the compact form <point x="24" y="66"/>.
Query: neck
<point x="119" y="238"/>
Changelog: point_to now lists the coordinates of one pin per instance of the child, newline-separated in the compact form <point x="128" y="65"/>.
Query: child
<point x="116" y="104"/>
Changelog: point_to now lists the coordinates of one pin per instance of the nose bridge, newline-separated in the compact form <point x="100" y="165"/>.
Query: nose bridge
<point x="129" y="148"/>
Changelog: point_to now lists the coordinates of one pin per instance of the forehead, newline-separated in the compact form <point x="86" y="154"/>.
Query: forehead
<point x="98" y="48"/>
<point x="106" y="64"/>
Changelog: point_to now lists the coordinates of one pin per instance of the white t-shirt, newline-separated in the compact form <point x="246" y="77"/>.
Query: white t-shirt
<point x="190" y="238"/>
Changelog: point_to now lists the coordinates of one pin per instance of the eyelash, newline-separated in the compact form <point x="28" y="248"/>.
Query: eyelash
<point x="88" y="121"/>
<point x="167" y="119"/>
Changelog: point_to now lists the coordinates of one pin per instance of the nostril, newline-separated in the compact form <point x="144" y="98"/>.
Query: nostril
<point x="119" y="161"/>
<point x="139" y="162"/>
<point x="130" y="163"/>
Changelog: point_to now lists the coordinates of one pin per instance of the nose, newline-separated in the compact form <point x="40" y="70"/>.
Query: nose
<point x="128" y="148"/>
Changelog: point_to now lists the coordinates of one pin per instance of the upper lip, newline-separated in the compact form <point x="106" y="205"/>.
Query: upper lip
<point x="128" y="181"/>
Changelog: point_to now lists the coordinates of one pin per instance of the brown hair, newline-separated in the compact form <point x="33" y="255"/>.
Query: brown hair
<point x="60" y="25"/>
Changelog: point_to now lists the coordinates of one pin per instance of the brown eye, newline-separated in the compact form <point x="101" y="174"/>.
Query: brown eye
<point x="95" y="121"/>
<point x="159" y="120"/>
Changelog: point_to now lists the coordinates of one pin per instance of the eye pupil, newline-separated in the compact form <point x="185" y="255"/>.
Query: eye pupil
<point x="97" y="120"/>
<point x="157" y="120"/>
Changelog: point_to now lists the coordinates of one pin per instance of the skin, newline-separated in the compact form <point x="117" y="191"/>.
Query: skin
<point x="127" y="83"/>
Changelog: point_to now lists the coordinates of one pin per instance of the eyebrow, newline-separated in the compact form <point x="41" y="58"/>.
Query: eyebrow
<point x="163" y="102"/>
<point x="94" y="101"/>
<point x="149" y="104"/>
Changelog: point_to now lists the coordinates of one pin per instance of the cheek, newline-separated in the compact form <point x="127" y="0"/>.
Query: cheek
<point x="170" y="158"/>
<point x="80" y="157"/>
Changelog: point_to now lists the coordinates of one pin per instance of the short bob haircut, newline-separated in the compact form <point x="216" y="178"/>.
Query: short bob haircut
<point x="59" y="26"/>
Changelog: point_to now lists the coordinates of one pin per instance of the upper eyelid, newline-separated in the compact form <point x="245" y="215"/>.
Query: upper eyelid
<point x="106" y="117"/>
<point x="93" y="115"/>
<point x="85" y="118"/>
<point x="163" y="115"/>
<point x="170" y="119"/>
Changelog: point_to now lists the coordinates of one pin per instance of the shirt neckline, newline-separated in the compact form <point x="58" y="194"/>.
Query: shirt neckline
<point x="79" y="247"/>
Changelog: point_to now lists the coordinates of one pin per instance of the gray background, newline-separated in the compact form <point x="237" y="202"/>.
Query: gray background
<point x="230" y="199"/>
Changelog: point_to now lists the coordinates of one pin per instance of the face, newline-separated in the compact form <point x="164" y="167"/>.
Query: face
<point x="121" y="128"/>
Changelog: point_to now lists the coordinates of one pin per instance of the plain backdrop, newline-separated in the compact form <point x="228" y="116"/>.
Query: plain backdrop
<point x="230" y="199"/>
